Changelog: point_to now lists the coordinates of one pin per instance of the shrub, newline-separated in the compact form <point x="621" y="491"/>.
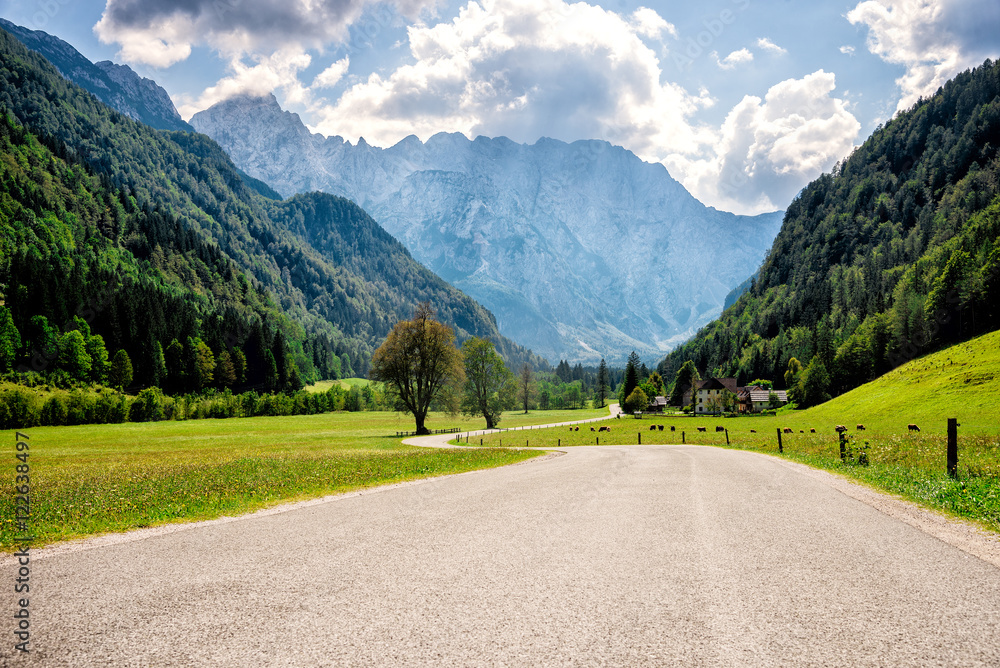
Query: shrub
<point x="22" y="409"/>
<point x="54" y="411"/>
<point x="148" y="406"/>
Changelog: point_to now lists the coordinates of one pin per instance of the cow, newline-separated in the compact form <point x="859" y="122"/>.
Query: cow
<point x="602" y="429"/>
<point x="652" y="427"/>
<point x="753" y="431"/>
<point x="861" y="427"/>
<point x="660" y="427"/>
<point x="718" y="429"/>
<point x="673" y="428"/>
<point x="840" y="429"/>
<point x="576" y="429"/>
<point x="913" y="427"/>
<point x="591" y="429"/>
<point x="701" y="429"/>
<point x="812" y="431"/>
<point x="802" y="431"/>
<point x="788" y="430"/>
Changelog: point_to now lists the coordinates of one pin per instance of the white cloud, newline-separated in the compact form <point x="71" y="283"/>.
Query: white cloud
<point x="847" y="50"/>
<point x="933" y="39"/>
<point x="768" y="45"/>
<point x="648" y="23"/>
<point x="767" y="150"/>
<point x="277" y="72"/>
<point x="733" y="59"/>
<point x="525" y="69"/>
<point x="329" y="77"/>
<point x="162" y="33"/>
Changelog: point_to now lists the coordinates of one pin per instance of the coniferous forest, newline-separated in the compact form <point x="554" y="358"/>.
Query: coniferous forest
<point x="893" y="254"/>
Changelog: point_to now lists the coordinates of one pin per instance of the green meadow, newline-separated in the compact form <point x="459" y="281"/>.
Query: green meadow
<point x="961" y="382"/>
<point x="92" y="479"/>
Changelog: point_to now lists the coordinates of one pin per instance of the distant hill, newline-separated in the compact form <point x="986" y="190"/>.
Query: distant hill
<point x="115" y="202"/>
<point x="581" y="250"/>
<point x="894" y="253"/>
<point x="115" y="85"/>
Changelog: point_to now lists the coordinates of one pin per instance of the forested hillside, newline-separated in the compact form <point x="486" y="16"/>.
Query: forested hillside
<point x="894" y="253"/>
<point x="154" y="236"/>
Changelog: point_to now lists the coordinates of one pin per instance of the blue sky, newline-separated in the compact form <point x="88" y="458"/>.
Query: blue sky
<point x="744" y="101"/>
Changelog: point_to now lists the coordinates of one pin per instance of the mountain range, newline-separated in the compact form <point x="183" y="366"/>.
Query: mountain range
<point x="582" y="250"/>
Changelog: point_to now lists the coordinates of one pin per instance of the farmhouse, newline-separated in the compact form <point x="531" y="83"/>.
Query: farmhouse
<point x="754" y="398"/>
<point x="657" y="405"/>
<point x="708" y="398"/>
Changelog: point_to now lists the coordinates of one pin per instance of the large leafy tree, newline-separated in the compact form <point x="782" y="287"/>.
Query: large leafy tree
<point x="489" y="384"/>
<point x="417" y="361"/>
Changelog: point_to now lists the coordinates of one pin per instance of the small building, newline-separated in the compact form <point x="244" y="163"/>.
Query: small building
<point x="754" y="398"/>
<point x="657" y="405"/>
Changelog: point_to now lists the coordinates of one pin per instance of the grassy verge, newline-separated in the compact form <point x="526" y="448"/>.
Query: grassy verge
<point x="93" y="479"/>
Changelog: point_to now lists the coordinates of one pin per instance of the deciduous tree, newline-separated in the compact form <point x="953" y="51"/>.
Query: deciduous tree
<point x="489" y="384"/>
<point x="416" y="361"/>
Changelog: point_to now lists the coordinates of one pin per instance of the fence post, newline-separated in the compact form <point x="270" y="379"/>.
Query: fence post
<point x="598" y="440"/>
<point x="843" y="446"/>
<point x="779" y="440"/>
<point x="682" y="439"/>
<point x="640" y="438"/>
<point x="727" y="437"/>
<point x="953" y="447"/>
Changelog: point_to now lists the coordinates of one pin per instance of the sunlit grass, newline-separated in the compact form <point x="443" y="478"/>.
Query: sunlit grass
<point x="98" y="478"/>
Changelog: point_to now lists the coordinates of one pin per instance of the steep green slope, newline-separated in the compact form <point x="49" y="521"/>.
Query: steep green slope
<point x="894" y="253"/>
<point x="961" y="381"/>
<point x="189" y="182"/>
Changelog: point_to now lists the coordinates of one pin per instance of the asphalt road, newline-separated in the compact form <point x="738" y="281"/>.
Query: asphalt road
<point x="621" y="556"/>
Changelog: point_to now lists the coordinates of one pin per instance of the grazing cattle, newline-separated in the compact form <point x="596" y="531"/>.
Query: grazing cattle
<point x="673" y="428"/>
<point x="861" y="427"/>
<point x="913" y="427"/>
<point x="602" y="429"/>
<point x="753" y="431"/>
<point x="571" y="428"/>
<point x="840" y="429"/>
<point x="652" y="427"/>
<point x="718" y="429"/>
<point x="812" y="431"/>
<point x="701" y="429"/>
<point x="660" y="427"/>
<point x="576" y="429"/>
<point x="591" y="429"/>
<point x="787" y="430"/>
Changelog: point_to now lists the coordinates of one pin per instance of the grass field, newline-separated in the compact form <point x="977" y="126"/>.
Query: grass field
<point x="346" y="383"/>
<point x="961" y="382"/>
<point x="92" y="479"/>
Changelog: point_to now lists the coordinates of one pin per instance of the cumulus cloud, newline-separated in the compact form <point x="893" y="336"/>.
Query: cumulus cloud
<point x="525" y="69"/>
<point x="733" y="59"/>
<point x="933" y="39"/>
<point x="277" y="72"/>
<point x="329" y="77"/>
<point x="768" y="45"/>
<point x="162" y="33"/>
<point x="847" y="50"/>
<point x="766" y="150"/>
<point x="648" y="23"/>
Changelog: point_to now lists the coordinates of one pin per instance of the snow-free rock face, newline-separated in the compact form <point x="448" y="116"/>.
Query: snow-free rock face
<point x="581" y="250"/>
<point x="115" y="85"/>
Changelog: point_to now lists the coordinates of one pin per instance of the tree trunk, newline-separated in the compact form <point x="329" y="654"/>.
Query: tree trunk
<point x="421" y="429"/>
<point x="489" y="421"/>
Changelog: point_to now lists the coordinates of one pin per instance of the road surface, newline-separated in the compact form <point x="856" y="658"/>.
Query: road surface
<point x="610" y="556"/>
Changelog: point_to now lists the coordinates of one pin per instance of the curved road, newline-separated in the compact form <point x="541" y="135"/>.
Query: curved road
<point x="618" y="556"/>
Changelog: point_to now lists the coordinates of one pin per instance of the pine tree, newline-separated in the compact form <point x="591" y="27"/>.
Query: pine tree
<point x="603" y="382"/>
<point x="10" y="340"/>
